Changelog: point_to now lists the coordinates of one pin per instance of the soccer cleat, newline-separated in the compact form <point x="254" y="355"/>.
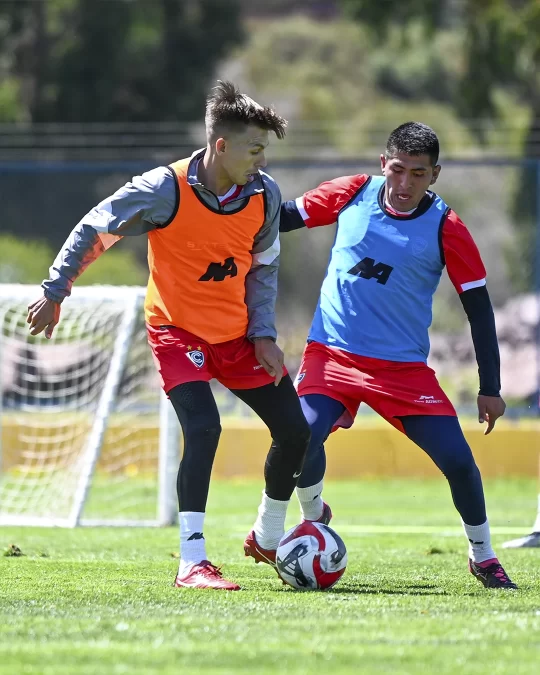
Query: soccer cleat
<point x="325" y="518"/>
<point x="252" y="548"/>
<point x="530" y="541"/>
<point x="204" y="575"/>
<point x="491" y="573"/>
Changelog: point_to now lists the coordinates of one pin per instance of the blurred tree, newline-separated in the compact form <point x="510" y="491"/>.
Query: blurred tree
<point x="324" y="9"/>
<point x="23" y="262"/>
<point x="27" y="262"/>
<point x="381" y="16"/>
<point x="114" y="60"/>
<point x="500" y="51"/>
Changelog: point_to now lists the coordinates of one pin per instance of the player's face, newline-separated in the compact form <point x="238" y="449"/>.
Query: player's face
<point x="407" y="179"/>
<point x="242" y="154"/>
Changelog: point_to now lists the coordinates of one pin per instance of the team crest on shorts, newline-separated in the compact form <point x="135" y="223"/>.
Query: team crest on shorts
<point x="196" y="357"/>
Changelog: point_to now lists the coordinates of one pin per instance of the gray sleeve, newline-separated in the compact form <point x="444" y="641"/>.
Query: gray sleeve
<point x="147" y="202"/>
<point x="262" y="279"/>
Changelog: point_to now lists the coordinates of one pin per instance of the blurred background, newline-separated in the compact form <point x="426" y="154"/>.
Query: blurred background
<point x="95" y="91"/>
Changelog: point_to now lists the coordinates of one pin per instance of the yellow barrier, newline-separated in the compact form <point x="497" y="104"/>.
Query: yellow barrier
<point x="367" y="449"/>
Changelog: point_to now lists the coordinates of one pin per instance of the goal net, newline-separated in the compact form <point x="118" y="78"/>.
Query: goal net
<point x="87" y="438"/>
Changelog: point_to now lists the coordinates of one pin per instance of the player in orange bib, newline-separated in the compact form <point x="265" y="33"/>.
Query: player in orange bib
<point x="213" y="253"/>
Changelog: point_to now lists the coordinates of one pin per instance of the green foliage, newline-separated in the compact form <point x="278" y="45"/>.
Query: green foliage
<point x="27" y="262"/>
<point x="320" y="64"/>
<point x="97" y="61"/>
<point x="23" y="262"/>
<point x="116" y="267"/>
<point x="10" y="109"/>
<point x="381" y="16"/>
<point x="355" y="91"/>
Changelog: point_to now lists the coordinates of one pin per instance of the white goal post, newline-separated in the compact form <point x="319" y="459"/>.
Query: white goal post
<point x="86" y="435"/>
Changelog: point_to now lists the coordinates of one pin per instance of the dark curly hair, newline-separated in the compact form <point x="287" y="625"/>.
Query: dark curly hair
<point x="413" y="138"/>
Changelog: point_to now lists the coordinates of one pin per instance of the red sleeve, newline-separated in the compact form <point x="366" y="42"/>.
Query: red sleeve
<point x="463" y="262"/>
<point x="322" y="205"/>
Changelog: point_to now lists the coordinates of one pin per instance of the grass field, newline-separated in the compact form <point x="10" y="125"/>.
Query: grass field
<point x="91" y="601"/>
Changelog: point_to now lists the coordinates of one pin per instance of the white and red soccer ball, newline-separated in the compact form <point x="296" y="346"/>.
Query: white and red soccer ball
<point x="311" y="556"/>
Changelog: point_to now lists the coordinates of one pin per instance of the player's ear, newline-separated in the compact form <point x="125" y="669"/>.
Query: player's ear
<point x="436" y="172"/>
<point x="221" y="146"/>
<point x="383" y="162"/>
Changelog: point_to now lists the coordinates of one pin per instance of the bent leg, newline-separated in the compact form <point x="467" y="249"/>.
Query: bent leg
<point x="279" y="408"/>
<point x="322" y="412"/>
<point x="442" y="439"/>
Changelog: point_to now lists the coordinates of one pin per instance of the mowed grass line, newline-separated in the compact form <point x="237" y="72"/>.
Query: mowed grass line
<point x="102" y="600"/>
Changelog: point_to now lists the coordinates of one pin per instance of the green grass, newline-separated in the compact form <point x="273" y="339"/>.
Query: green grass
<point x="91" y="601"/>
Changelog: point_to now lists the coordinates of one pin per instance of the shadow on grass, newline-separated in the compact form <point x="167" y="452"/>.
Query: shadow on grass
<point x="372" y="589"/>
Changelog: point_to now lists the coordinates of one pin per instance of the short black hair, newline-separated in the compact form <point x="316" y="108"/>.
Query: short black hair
<point x="413" y="138"/>
<point x="228" y="110"/>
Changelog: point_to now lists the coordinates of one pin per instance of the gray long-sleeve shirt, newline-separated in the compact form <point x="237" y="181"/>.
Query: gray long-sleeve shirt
<point x="151" y="201"/>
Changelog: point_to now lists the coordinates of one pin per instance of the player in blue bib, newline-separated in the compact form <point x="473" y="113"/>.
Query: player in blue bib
<point x="369" y="338"/>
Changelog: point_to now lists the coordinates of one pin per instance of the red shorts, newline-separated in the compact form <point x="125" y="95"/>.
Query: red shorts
<point x="182" y="357"/>
<point x="391" y="388"/>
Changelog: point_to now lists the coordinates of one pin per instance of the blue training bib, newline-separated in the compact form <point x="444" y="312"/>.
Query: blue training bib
<point x="376" y="299"/>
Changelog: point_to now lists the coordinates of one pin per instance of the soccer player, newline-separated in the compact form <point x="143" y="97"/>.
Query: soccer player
<point x="531" y="540"/>
<point x="213" y="252"/>
<point x="369" y="337"/>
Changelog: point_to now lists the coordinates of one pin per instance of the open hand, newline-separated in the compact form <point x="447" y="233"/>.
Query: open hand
<point x="43" y="315"/>
<point x="271" y="358"/>
<point x="490" y="408"/>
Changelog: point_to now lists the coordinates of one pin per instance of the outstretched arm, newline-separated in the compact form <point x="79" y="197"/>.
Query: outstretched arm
<point x="147" y="202"/>
<point x="322" y="205"/>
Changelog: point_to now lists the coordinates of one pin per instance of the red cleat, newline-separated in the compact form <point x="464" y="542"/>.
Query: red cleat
<point x="204" y="575"/>
<point x="252" y="548"/>
<point x="325" y="518"/>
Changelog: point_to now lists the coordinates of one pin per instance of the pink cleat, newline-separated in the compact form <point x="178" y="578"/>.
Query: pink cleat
<point x="491" y="573"/>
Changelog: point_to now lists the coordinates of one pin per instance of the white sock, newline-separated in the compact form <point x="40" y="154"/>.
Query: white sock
<point x="311" y="501"/>
<point x="536" y="526"/>
<point x="192" y="543"/>
<point x="270" y="524"/>
<point x="479" y="542"/>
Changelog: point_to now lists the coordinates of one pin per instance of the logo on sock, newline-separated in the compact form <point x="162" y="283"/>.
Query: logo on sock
<point x="196" y="535"/>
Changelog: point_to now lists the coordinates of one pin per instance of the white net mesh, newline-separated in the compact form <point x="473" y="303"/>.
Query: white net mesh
<point x="51" y="391"/>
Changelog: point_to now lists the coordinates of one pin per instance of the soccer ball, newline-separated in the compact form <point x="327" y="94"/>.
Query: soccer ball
<point x="311" y="556"/>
